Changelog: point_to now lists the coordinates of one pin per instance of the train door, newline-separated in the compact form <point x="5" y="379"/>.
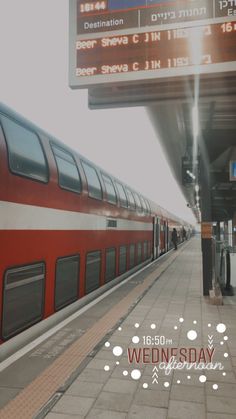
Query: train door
<point x="167" y="237"/>
<point x="164" y="237"/>
<point x="156" y="237"/>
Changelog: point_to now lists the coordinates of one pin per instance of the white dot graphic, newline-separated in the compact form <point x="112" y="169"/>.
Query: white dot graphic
<point x="226" y="355"/>
<point x="221" y="328"/>
<point x="192" y="335"/>
<point x="136" y="325"/>
<point x="222" y="343"/>
<point x="135" y="374"/>
<point x="117" y="351"/>
<point x="189" y="377"/>
<point x="153" y="326"/>
<point x="106" y="368"/>
<point x="107" y="344"/>
<point x="175" y="327"/>
<point x="135" y="339"/>
<point x="119" y="328"/>
<point x="145" y="385"/>
<point x="166" y="384"/>
<point x="215" y="387"/>
<point x="209" y="325"/>
<point x="181" y="320"/>
<point x="224" y="374"/>
<point x="195" y="322"/>
<point x="178" y="381"/>
<point x="202" y="378"/>
<point x="226" y="338"/>
<point x="125" y="373"/>
<point x="117" y="363"/>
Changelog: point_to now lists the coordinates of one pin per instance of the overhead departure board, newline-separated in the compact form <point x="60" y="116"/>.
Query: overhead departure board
<point x="121" y="41"/>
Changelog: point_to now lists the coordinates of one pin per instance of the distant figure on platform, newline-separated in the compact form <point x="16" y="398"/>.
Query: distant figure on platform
<point x="184" y="234"/>
<point x="174" y="238"/>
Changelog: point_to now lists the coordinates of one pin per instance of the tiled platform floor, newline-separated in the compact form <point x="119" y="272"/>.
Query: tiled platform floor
<point x="101" y="394"/>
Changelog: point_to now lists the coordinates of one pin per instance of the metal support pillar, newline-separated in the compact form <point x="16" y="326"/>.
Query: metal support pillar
<point x="218" y="231"/>
<point x="207" y="259"/>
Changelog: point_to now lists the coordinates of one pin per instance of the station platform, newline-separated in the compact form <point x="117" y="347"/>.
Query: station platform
<point x="115" y="360"/>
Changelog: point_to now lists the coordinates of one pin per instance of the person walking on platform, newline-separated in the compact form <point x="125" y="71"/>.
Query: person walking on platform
<point x="184" y="234"/>
<point x="174" y="238"/>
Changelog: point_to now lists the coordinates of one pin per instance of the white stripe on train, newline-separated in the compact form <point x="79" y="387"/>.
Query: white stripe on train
<point x="14" y="216"/>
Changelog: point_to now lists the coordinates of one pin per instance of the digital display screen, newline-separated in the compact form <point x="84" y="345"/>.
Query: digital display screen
<point x="115" y="40"/>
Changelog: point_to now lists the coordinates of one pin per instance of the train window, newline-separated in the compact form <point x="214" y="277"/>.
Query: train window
<point x="94" y="186"/>
<point x="148" y="206"/>
<point x="93" y="267"/>
<point x="130" y="199"/>
<point x="23" y="298"/>
<point x="67" y="169"/>
<point x="144" y="205"/>
<point x="145" y="250"/>
<point x="132" y="255"/>
<point x="67" y="281"/>
<point x="110" y="190"/>
<point x="123" y="198"/>
<point x="122" y="259"/>
<point x="139" y="253"/>
<point x="138" y="202"/>
<point x="26" y="155"/>
<point x="110" y="264"/>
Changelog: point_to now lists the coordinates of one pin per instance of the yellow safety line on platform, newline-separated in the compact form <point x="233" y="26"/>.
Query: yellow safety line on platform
<point x="31" y="399"/>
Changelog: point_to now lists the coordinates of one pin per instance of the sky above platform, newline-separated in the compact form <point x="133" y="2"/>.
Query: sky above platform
<point x="34" y="82"/>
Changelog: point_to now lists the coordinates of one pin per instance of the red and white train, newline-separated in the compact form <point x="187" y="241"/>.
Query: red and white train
<point x="66" y="226"/>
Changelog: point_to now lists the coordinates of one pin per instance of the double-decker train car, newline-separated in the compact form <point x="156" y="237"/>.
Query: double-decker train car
<point x="66" y="226"/>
